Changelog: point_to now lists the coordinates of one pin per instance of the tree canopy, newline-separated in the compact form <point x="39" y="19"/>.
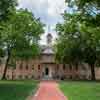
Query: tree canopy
<point x="6" y="7"/>
<point x="20" y="35"/>
<point x="79" y="35"/>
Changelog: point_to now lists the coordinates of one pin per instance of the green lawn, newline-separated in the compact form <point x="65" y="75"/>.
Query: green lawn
<point x="16" y="90"/>
<point x="81" y="90"/>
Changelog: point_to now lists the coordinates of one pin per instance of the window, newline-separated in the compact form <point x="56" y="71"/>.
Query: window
<point x="32" y="67"/>
<point x="20" y="76"/>
<point x="21" y="66"/>
<point x="13" y="77"/>
<point x="7" y="76"/>
<point x="76" y="68"/>
<point x="84" y="68"/>
<point x="70" y="67"/>
<point x="26" y="66"/>
<point x="32" y="76"/>
<point x="57" y="66"/>
<point x="71" y="77"/>
<point x="0" y="62"/>
<point x="64" y="67"/>
<point x="38" y="67"/>
<point x="26" y="77"/>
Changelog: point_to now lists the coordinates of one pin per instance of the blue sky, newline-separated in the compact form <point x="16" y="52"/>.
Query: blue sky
<point x="48" y="10"/>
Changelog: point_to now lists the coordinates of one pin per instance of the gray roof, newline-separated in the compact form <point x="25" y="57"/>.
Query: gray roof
<point x="47" y="50"/>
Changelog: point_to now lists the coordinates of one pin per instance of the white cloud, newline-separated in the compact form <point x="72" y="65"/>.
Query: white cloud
<point x="48" y="10"/>
<point x="56" y="7"/>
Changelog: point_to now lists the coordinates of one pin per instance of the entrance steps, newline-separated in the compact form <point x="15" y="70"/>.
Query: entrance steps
<point x="47" y="78"/>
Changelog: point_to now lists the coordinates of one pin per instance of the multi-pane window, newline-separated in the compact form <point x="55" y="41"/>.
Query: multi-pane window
<point x="76" y="68"/>
<point x="38" y="67"/>
<point x="32" y="67"/>
<point x="26" y="66"/>
<point x="64" y="67"/>
<point x="21" y="65"/>
<point x="57" y="66"/>
<point x="83" y="67"/>
<point x="26" y="77"/>
<point x="20" y="76"/>
<point x="70" y="67"/>
<point x="32" y="76"/>
<point x="8" y="76"/>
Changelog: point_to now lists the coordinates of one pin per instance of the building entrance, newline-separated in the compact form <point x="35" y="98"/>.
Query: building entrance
<point x="46" y="71"/>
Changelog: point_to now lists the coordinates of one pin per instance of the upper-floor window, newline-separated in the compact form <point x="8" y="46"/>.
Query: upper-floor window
<point x="26" y="66"/>
<point x="38" y="67"/>
<point x="21" y="65"/>
<point x="32" y="67"/>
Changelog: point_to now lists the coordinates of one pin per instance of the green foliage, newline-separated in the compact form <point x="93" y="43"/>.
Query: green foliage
<point x="69" y="40"/>
<point x="88" y="9"/>
<point x="26" y="52"/>
<point x="2" y="53"/>
<point x="6" y="7"/>
<point x="21" y="33"/>
<point x="79" y="35"/>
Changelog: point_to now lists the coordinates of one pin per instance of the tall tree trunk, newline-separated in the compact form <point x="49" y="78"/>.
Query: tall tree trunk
<point x="12" y="75"/>
<point x="6" y="66"/>
<point x="92" y="72"/>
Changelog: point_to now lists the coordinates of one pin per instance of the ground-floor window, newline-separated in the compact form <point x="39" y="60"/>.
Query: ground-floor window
<point x="64" y="67"/>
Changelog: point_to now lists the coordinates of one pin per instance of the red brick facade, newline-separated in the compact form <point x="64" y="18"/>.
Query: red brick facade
<point x="45" y="67"/>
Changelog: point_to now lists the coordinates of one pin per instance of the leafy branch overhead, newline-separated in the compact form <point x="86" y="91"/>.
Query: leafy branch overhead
<point x="6" y="8"/>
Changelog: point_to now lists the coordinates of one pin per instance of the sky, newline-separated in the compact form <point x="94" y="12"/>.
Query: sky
<point x="49" y="11"/>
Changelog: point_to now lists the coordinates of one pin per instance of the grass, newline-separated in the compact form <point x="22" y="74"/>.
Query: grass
<point x="81" y="90"/>
<point x="16" y="90"/>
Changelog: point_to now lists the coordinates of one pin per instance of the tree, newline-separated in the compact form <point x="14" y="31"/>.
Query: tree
<point x="90" y="15"/>
<point x="81" y="21"/>
<point x="89" y="10"/>
<point x="6" y="7"/>
<point x="68" y="42"/>
<point x="91" y="47"/>
<point x="20" y="35"/>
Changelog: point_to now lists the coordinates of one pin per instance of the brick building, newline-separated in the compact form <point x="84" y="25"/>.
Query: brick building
<point x="45" y="67"/>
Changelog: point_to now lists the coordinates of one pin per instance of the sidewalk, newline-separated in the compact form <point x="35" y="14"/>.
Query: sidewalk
<point x="49" y="90"/>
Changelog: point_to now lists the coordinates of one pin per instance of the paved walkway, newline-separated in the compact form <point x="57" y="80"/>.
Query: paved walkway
<point x="49" y="90"/>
